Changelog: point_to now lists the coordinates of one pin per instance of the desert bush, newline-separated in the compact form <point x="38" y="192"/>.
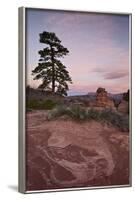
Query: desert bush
<point x="57" y="112"/>
<point x="93" y="114"/>
<point x="116" y="119"/>
<point x="82" y="114"/>
<point x="74" y="112"/>
<point x="77" y="112"/>
<point x="41" y="104"/>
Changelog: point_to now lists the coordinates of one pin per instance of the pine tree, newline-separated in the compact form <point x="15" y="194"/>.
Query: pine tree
<point x="50" y="69"/>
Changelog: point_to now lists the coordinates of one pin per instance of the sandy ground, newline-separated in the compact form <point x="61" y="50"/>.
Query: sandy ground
<point x="64" y="154"/>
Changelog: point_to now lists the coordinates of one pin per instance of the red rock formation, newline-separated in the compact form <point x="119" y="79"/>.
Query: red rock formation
<point x="123" y="107"/>
<point x="102" y="99"/>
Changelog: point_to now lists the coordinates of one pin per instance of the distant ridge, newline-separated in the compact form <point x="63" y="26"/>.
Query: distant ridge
<point x="41" y="94"/>
<point x="118" y="96"/>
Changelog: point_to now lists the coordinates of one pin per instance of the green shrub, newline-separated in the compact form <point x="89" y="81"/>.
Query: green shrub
<point x="93" y="114"/>
<point x="79" y="113"/>
<point x="41" y="104"/>
<point x="48" y="104"/>
<point x="121" y="121"/>
<point x="74" y="112"/>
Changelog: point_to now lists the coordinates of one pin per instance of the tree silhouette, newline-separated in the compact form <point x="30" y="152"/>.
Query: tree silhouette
<point x="126" y="96"/>
<point x="50" y="69"/>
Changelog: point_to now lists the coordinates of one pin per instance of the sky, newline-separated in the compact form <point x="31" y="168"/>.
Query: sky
<point x="98" y="47"/>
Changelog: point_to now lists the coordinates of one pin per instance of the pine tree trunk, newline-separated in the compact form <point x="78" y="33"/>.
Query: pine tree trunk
<point x="53" y="79"/>
<point x="53" y="71"/>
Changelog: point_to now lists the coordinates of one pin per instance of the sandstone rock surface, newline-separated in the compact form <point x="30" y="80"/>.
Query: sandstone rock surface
<point x="65" y="154"/>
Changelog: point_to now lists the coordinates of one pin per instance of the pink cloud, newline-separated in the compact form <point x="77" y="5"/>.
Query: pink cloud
<point x="115" y="75"/>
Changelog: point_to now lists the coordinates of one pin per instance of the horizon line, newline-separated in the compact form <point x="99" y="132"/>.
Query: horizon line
<point x="76" y="93"/>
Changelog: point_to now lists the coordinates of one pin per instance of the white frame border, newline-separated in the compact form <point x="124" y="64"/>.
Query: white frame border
<point x="22" y="101"/>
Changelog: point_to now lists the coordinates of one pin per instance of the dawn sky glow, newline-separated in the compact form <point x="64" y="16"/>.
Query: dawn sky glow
<point x="98" y="47"/>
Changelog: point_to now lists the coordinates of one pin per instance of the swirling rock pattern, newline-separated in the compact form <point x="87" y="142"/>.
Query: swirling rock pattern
<point x="67" y="154"/>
